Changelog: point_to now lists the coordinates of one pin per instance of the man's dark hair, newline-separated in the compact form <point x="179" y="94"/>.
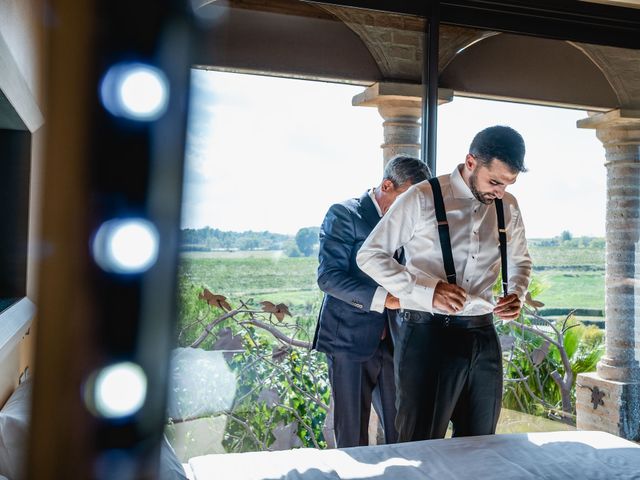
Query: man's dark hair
<point x="403" y="168"/>
<point x="502" y="143"/>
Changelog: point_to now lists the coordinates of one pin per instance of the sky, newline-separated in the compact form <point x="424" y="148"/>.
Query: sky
<point x="266" y="153"/>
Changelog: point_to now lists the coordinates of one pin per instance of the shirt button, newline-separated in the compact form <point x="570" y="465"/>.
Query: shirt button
<point x="475" y="232"/>
<point x="473" y="256"/>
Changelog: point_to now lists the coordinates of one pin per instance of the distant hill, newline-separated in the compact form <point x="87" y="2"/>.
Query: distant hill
<point x="209" y="239"/>
<point x="305" y="243"/>
<point x="566" y="240"/>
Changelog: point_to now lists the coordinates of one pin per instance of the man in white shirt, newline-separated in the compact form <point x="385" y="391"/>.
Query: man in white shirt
<point x="447" y="361"/>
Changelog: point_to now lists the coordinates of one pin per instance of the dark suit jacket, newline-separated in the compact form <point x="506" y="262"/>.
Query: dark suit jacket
<point x="345" y="323"/>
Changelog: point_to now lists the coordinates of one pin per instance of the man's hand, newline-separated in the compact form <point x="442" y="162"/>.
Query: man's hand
<point x="391" y="302"/>
<point x="508" y="308"/>
<point x="449" y="297"/>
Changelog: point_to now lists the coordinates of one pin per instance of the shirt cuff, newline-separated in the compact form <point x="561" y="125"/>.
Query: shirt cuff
<point x="379" y="299"/>
<point x="421" y="297"/>
<point x="522" y="294"/>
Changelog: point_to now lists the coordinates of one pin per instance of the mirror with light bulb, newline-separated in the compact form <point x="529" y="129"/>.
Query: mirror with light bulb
<point x="99" y="206"/>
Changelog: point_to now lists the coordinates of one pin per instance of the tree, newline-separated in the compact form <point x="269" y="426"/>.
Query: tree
<point x="282" y="392"/>
<point x="249" y="243"/>
<point x="291" y="249"/>
<point x="306" y="239"/>
<point x="566" y="236"/>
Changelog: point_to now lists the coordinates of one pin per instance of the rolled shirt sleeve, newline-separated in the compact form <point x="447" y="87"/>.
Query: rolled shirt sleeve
<point x="519" y="260"/>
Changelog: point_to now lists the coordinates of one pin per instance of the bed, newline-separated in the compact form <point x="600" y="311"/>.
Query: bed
<point x="552" y="455"/>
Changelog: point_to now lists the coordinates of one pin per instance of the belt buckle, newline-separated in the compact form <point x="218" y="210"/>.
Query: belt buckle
<point x="447" y="320"/>
<point x="406" y="315"/>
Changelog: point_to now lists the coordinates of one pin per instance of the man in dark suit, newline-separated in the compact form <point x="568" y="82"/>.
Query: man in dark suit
<point x="353" y="326"/>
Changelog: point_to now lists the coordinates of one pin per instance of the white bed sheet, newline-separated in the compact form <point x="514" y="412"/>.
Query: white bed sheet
<point x="573" y="455"/>
<point x="187" y="471"/>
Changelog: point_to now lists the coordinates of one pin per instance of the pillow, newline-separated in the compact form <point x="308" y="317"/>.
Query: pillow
<point x="170" y="466"/>
<point x="14" y="431"/>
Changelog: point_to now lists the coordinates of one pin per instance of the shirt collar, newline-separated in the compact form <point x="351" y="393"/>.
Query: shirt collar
<point x="458" y="186"/>
<point x="372" y="196"/>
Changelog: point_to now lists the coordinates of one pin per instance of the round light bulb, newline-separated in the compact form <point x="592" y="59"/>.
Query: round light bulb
<point x="136" y="91"/>
<point x="126" y="245"/>
<point x="119" y="390"/>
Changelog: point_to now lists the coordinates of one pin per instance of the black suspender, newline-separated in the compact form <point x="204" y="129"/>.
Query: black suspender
<point x="445" y="239"/>
<point x="443" y="231"/>
<point x="502" y="236"/>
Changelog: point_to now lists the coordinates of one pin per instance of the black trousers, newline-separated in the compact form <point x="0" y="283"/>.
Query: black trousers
<point x="447" y="368"/>
<point x="355" y="386"/>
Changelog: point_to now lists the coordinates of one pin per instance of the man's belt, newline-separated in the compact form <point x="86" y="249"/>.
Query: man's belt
<point x="460" y="321"/>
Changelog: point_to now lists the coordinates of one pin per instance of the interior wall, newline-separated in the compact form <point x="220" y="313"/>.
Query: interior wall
<point x="15" y="362"/>
<point x="21" y="29"/>
<point x="22" y="33"/>
<point x="9" y="371"/>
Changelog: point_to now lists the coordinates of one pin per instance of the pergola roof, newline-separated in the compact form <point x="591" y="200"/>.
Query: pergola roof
<point x="352" y="45"/>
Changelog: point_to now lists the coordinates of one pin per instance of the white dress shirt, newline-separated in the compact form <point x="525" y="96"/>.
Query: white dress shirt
<point x="380" y="297"/>
<point x="411" y="223"/>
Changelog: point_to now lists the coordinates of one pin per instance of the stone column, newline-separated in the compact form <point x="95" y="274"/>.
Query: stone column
<point x="609" y="399"/>
<point x="400" y="105"/>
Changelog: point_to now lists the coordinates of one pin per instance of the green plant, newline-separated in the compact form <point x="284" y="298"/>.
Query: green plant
<point x="307" y="239"/>
<point x="282" y="394"/>
<point x="542" y="358"/>
<point x="282" y="398"/>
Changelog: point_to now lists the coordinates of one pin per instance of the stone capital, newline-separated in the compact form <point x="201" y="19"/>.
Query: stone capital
<point x="397" y="99"/>
<point x="400" y="105"/>
<point x="615" y="127"/>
